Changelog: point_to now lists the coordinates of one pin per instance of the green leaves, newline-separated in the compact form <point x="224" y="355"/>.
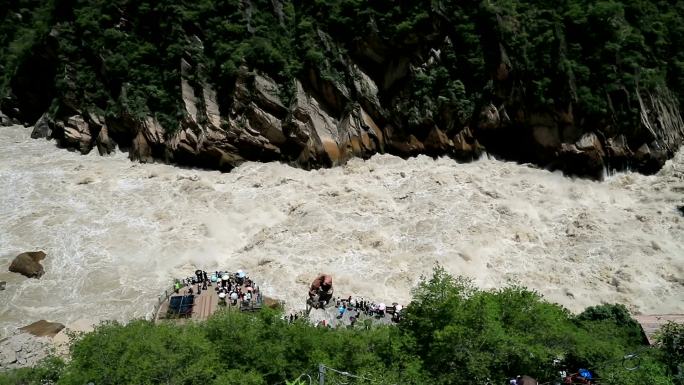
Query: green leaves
<point x="462" y="333"/>
<point x="670" y="342"/>
<point x="141" y="353"/>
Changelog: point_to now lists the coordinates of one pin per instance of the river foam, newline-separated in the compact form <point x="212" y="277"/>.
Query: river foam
<point x="115" y="232"/>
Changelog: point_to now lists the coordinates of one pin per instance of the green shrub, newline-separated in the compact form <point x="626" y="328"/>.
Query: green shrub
<point x="46" y="372"/>
<point x="670" y="341"/>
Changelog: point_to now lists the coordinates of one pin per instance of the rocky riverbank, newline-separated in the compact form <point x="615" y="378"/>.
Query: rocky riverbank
<point x="23" y="349"/>
<point x="28" y="345"/>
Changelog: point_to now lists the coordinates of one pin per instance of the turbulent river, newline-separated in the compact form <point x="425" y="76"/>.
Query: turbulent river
<point x="116" y="232"/>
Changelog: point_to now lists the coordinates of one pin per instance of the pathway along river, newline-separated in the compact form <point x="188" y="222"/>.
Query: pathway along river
<point x="115" y="231"/>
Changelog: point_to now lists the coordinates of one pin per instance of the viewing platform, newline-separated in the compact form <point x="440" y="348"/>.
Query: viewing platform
<point x="197" y="300"/>
<point x="650" y="324"/>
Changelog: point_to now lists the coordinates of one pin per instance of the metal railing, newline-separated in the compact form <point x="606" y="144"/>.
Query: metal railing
<point x="161" y="298"/>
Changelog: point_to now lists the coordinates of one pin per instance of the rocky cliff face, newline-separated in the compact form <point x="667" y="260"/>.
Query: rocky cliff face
<point x="318" y="130"/>
<point x="363" y="97"/>
<point x="259" y="126"/>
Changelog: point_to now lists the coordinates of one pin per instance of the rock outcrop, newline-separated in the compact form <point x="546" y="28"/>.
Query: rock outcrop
<point x="584" y="157"/>
<point x="43" y="127"/>
<point x="76" y="134"/>
<point x="325" y="122"/>
<point x="43" y="328"/>
<point x="28" y="345"/>
<point x="433" y="89"/>
<point x="28" y="264"/>
<point x="322" y="127"/>
<point x="6" y="121"/>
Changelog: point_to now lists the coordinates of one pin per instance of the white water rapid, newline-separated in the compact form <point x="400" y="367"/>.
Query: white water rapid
<point x="116" y="232"/>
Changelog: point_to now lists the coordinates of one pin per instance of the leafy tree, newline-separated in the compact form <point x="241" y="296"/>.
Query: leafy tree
<point x="670" y="341"/>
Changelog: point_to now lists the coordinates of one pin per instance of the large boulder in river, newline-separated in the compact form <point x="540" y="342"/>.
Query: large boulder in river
<point x="43" y="127"/>
<point x="583" y="158"/>
<point x="28" y="264"/>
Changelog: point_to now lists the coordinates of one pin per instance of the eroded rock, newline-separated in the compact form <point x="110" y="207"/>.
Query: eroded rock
<point x="466" y="147"/>
<point x="140" y="149"/>
<point x="6" y="120"/>
<point x="489" y="118"/>
<point x="583" y="158"/>
<point x="437" y="142"/>
<point x="42" y="128"/>
<point x="320" y="127"/>
<point x="28" y="264"/>
<point x="212" y="109"/>
<point x="23" y="350"/>
<point x="105" y="144"/>
<point x="329" y="120"/>
<point x="77" y="134"/>
<point x="650" y="158"/>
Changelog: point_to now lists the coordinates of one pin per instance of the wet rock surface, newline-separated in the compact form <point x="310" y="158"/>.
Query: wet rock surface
<point x="28" y="264"/>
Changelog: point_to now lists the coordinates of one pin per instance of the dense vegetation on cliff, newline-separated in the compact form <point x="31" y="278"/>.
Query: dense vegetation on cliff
<point x="551" y="70"/>
<point x="452" y="334"/>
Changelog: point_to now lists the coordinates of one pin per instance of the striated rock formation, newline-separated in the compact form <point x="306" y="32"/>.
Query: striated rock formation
<point x="28" y="264"/>
<point x="315" y="131"/>
<point x="452" y="80"/>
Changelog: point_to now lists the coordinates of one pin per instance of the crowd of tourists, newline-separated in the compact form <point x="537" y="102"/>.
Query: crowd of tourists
<point x="232" y="288"/>
<point x="360" y="306"/>
<point x="238" y="288"/>
<point x="349" y="311"/>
